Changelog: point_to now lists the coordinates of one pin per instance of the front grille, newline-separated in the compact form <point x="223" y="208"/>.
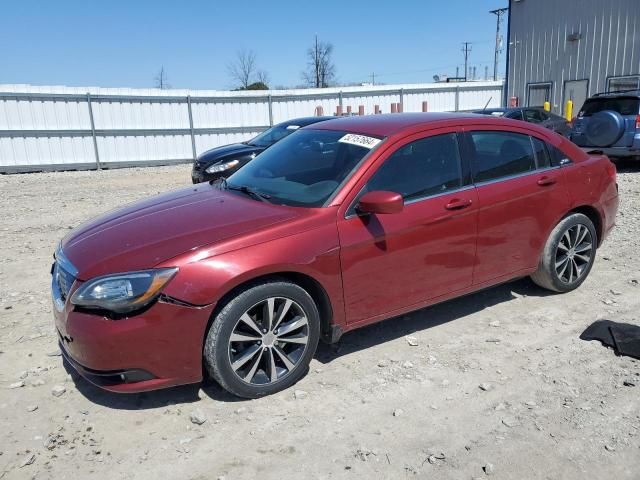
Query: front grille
<point x="64" y="279"/>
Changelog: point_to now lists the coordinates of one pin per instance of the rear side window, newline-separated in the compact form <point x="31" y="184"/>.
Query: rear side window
<point x="517" y="115"/>
<point x="425" y="167"/>
<point x="623" y="105"/>
<point x="501" y="154"/>
<point x="534" y="116"/>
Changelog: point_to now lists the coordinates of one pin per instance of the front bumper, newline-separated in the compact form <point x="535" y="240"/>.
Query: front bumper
<point x="200" y="177"/>
<point x="159" y="348"/>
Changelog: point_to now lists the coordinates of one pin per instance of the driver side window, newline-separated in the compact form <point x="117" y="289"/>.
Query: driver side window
<point x="426" y="167"/>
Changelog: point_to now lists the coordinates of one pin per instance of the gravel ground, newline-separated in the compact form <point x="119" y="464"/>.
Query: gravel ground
<point x="497" y="384"/>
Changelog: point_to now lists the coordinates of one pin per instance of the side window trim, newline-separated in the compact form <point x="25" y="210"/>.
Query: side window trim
<point x="472" y="156"/>
<point x="463" y="167"/>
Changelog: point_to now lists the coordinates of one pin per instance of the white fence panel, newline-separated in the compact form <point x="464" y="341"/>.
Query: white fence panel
<point x="207" y="142"/>
<point x="55" y="128"/>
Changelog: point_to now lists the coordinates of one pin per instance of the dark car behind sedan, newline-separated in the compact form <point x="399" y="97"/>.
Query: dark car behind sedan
<point x="221" y="162"/>
<point x="537" y="115"/>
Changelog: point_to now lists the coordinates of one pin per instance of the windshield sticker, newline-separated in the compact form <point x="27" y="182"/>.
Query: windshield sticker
<point x="293" y="127"/>
<point x="360" y="140"/>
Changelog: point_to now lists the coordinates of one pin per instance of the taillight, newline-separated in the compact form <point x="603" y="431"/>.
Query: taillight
<point x="638" y="122"/>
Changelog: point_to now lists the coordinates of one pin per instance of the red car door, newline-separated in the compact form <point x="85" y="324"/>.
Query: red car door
<point x="394" y="261"/>
<point x="521" y="197"/>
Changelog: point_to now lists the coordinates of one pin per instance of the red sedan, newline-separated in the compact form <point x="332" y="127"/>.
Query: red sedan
<point x="341" y="224"/>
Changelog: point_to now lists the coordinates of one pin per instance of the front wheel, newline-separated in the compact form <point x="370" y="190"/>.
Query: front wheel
<point x="262" y="341"/>
<point x="568" y="254"/>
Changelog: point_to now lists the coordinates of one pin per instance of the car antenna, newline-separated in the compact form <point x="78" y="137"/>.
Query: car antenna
<point x="487" y="104"/>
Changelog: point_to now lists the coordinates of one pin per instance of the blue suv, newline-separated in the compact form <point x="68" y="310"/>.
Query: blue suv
<point x="610" y="122"/>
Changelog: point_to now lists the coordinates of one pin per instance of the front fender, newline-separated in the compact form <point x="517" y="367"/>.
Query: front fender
<point x="314" y="253"/>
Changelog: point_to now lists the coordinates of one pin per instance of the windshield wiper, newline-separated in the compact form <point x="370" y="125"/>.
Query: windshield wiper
<point x="245" y="189"/>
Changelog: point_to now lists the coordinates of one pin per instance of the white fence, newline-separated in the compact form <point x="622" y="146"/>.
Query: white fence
<point x="63" y="128"/>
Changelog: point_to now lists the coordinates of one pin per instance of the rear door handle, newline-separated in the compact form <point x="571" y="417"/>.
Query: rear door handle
<point x="457" y="204"/>
<point x="546" y="181"/>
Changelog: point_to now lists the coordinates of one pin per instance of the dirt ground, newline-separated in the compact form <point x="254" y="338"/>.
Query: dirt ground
<point x="498" y="385"/>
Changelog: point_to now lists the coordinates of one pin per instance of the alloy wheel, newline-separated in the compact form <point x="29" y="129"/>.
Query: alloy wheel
<point x="574" y="253"/>
<point x="268" y="341"/>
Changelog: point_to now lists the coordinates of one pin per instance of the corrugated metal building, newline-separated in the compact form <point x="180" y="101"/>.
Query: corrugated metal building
<point x="561" y="50"/>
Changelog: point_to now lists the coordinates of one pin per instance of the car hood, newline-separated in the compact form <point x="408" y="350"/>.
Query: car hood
<point x="152" y="231"/>
<point x="228" y="151"/>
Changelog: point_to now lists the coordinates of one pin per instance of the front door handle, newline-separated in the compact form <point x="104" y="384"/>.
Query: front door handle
<point x="546" y="181"/>
<point x="458" y="204"/>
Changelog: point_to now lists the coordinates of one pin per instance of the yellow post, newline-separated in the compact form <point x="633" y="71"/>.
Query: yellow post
<point x="568" y="111"/>
<point x="547" y="106"/>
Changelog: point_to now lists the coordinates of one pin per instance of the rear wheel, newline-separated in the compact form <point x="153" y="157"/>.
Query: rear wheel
<point x="568" y="255"/>
<point x="262" y="341"/>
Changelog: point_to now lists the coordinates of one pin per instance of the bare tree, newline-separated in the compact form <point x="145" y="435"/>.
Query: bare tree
<point x="161" y="79"/>
<point x="321" y="70"/>
<point x="243" y="68"/>
<point x="262" y="77"/>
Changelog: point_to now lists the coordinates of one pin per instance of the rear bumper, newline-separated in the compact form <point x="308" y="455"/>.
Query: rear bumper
<point x="159" y="348"/>
<point x="621" y="152"/>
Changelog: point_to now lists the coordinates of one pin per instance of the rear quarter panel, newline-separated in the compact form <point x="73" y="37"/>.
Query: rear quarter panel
<point x="591" y="184"/>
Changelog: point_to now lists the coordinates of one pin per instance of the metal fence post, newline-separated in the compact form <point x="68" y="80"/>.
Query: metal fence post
<point x="193" y="137"/>
<point x="93" y="132"/>
<point x="401" y="99"/>
<point x="270" y="100"/>
<point x="457" y="98"/>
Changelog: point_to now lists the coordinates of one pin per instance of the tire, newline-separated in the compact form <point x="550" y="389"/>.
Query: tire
<point x="250" y="363"/>
<point x="561" y="250"/>
<point x="605" y="128"/>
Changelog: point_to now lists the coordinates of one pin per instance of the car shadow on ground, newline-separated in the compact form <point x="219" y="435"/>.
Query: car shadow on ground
<point x="429" y="317"/>
<point x="149" y="400"/>
<point x="625" y="165"/>
<point x="351" y="342"/>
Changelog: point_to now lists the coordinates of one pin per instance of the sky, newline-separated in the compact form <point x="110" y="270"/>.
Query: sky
<point x="116" y="43"/>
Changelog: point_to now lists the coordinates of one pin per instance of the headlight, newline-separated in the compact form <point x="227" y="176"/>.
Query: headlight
<point x="123" y="292"/>
<point x="221" y="167"/>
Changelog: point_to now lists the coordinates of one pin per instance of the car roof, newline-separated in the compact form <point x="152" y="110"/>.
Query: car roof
<point x="384" y="125"/>
<point x="623" y="93"/>
<point x="303" y="121"/>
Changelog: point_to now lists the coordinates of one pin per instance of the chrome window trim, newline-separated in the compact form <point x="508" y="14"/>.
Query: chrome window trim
<point x="412" y="201"/>
<point x="456" y="133"/>
<point x="518" y="175"/>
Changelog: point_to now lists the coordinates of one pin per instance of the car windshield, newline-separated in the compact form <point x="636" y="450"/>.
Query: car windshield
<point x="622" y="105"/>
<point x="272" y="135"/>
<point x="306" y="168"/>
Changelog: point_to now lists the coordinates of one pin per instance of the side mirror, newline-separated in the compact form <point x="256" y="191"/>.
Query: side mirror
<point x="380" y="201"/>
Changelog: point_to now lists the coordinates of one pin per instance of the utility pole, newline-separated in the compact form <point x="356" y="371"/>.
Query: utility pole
<point x="466" y="50"/>
<point x="373" y="78"/>
<point x="498" y="13"/>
